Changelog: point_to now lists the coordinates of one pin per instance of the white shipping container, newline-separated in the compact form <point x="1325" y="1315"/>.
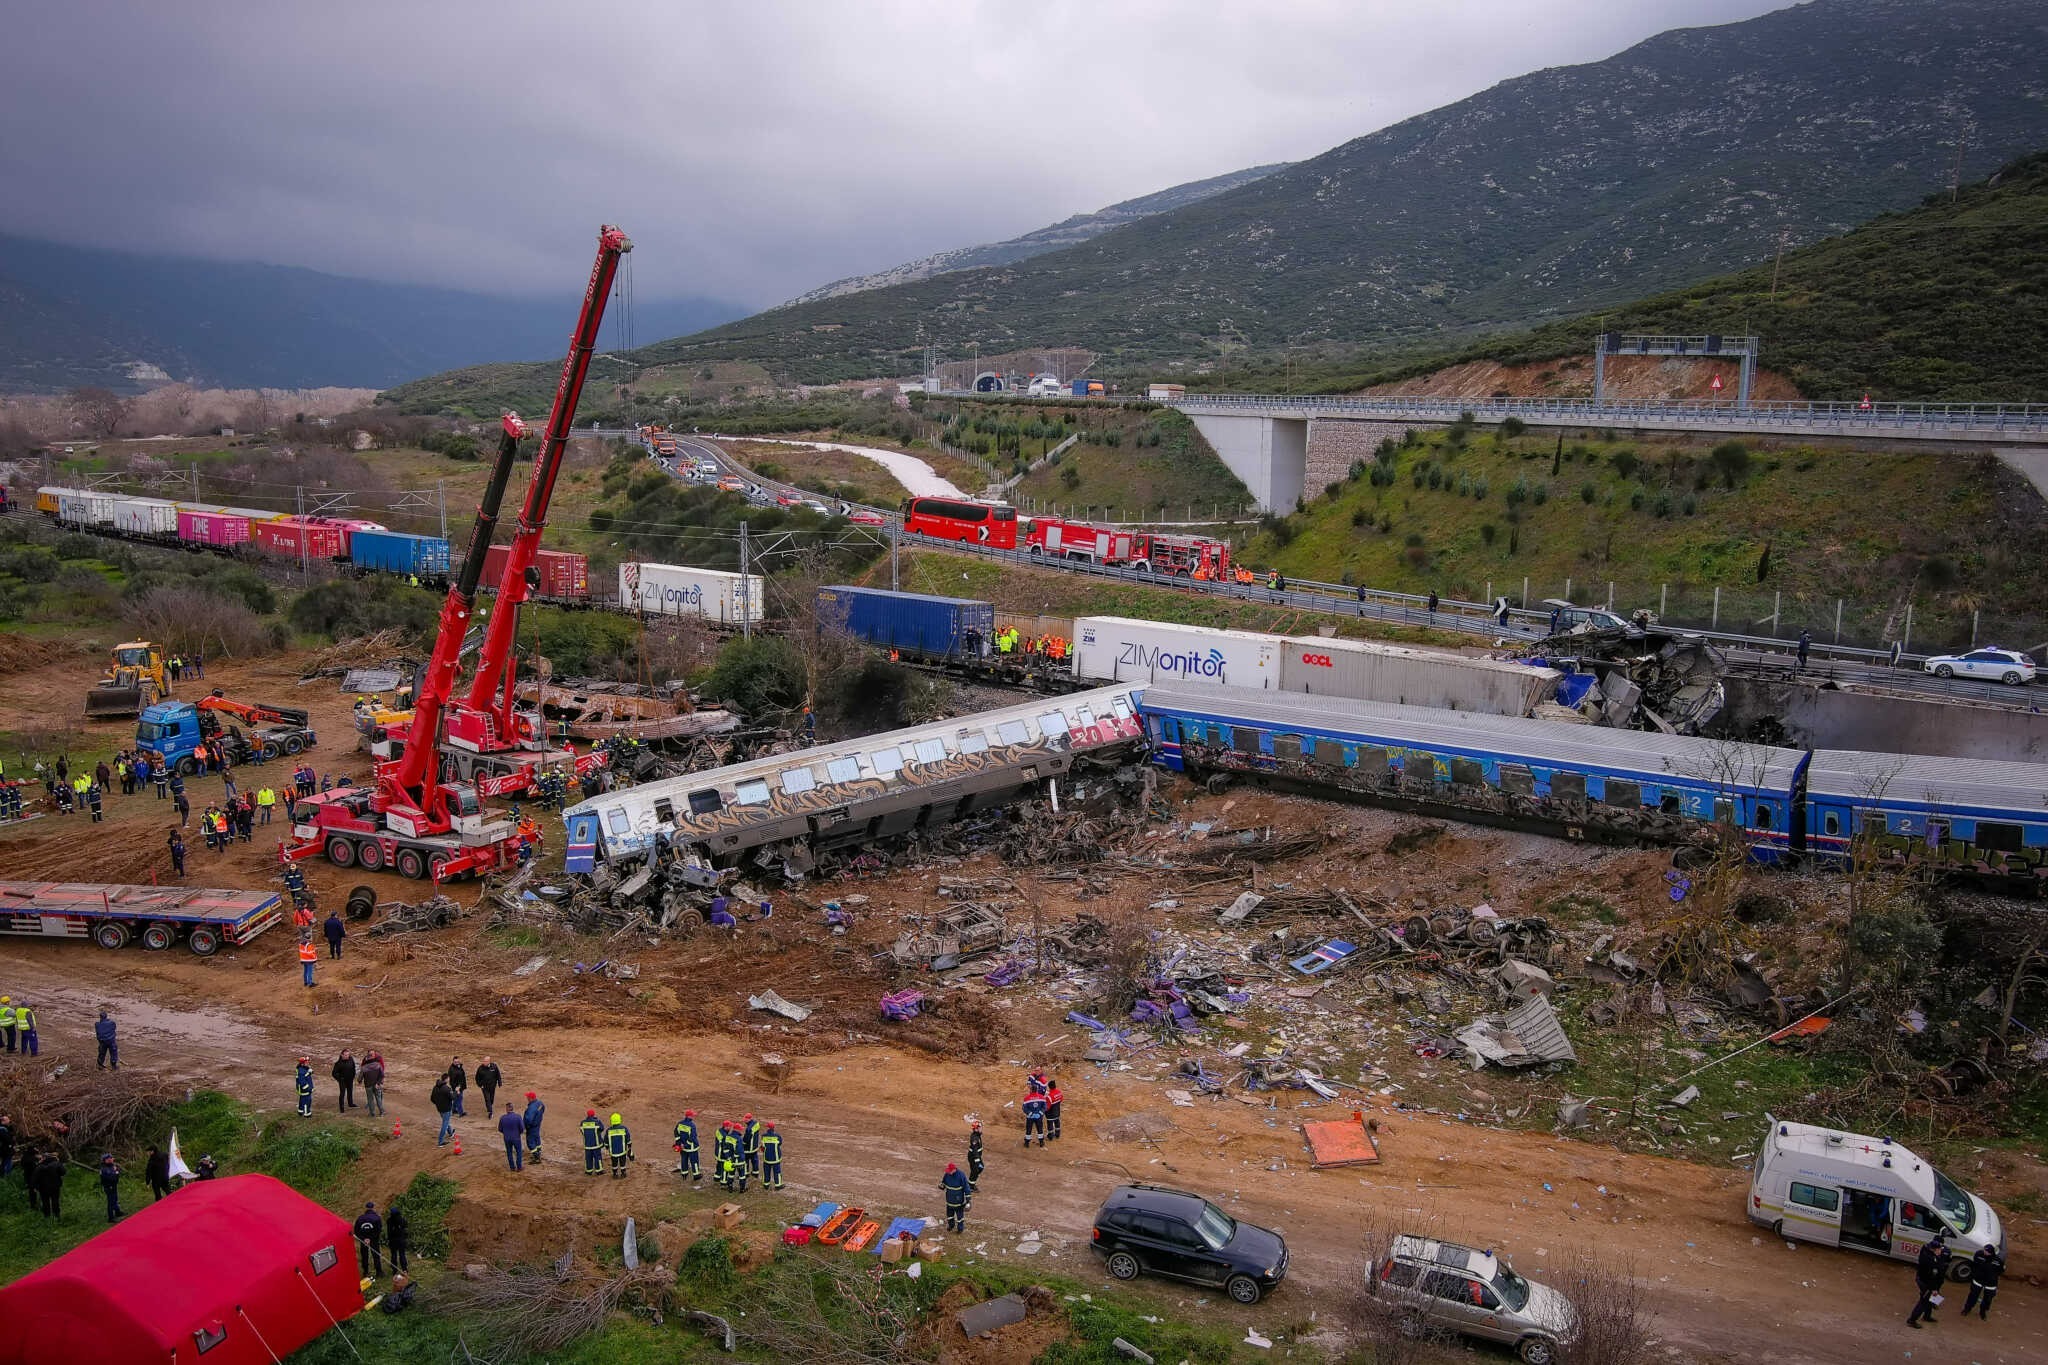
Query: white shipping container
<point x="677" y="590"/>
<point x="1363" y="670"/>
<point x="145" y="517"/>
<point x="1118" y="649"/>
<point x="84" y="509"/>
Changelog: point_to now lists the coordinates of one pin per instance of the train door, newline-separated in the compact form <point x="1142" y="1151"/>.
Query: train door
<point x="581" y="849"/>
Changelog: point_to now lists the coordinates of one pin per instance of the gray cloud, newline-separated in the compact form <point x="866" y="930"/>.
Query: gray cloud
<point x="752" y="150"/>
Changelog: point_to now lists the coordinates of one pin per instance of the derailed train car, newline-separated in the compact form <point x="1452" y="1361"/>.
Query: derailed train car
<point x="1580" y="781"/>
<point x="856" y="791"/>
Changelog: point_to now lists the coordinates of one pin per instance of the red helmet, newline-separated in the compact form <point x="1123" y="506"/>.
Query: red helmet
<point x="590" y="1113"/>
<point x="950" y="1168"/>
<point x="689" y="1113"/>
<point x="750" y="1118"/>
<point x="769" y="1126"/>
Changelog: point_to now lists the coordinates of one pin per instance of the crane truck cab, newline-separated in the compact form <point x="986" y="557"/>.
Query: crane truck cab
<point x="1868" y="1193"/>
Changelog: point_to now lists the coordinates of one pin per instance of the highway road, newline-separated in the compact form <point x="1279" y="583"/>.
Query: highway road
<point x="1756" y="656"/>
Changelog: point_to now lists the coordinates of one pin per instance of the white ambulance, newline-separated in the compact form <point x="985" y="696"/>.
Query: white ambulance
<point x="1843" y="1189"/>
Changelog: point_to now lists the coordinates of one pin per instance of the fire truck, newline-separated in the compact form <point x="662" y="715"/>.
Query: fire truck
<point x="1148" y="551"/>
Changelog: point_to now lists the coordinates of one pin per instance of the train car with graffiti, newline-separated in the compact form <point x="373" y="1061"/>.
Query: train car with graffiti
<point x="856" y="791"/>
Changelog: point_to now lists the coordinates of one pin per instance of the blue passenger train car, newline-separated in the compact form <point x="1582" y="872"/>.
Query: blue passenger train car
<point x="1582" y="781"/>
<point x="1966" y="816"/>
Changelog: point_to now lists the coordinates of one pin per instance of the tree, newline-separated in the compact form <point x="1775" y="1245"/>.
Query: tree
<point x="1731" y="460"/>
<point x="96" y="411"/>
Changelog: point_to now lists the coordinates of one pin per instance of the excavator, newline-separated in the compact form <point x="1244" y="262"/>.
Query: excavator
<point x="414" y="820"/>
<point x="136" y="678"/>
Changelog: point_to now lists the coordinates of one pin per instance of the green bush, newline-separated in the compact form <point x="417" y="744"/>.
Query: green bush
<point x="1731" y="460"/>
<point x="758" y="675"/>
<point x="1587" y="492"/>
<point x="346" y="607"/>
<point x="1624" y="461"/>
<point x="426" y="1203"/>
<point x="707" y="1265"/>
<point x="310" y="1160"/>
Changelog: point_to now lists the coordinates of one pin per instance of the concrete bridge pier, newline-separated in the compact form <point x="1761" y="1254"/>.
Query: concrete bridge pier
<point x="1270" y="454"/>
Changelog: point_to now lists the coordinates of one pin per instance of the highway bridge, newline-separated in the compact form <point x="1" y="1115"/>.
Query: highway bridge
<point x="1263" y="438"/>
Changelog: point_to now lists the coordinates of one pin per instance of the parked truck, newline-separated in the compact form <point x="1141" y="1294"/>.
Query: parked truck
<point x="113" y="915"/>
<point x="173" y="732"/>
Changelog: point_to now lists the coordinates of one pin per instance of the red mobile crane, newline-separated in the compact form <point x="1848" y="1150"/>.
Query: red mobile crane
<point x="410" y="820"/>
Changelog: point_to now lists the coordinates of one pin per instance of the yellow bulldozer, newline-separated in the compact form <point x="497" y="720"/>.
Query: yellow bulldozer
<point x="137" y="677"/>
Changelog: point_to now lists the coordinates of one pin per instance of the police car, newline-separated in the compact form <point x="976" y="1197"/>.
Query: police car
<point x="2008" y="666"/>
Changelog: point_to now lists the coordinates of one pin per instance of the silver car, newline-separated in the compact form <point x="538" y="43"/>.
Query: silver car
<point x="1476" y="1294"/>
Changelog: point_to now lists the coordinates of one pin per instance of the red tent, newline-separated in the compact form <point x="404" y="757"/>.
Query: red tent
<point x="246" y="1270"/>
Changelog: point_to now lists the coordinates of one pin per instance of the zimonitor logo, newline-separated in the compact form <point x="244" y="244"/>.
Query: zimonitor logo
<point x="1181" y="663"/>
<point x="1317" y="661"/>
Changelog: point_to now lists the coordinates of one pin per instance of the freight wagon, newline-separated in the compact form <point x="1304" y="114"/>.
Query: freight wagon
<point x="111" y="914"/>
<point x="564" y="577"/>
<point x="395" y="552"/>
<point x="214" y="530"/>
<point x="297" y="538"/>
<point x="1118" y="649"/>
<point x="146" y="518"/>
<point x="76" y="507"/>
<point x="677" y="590"/>
<point x="936" y="627"/>
<point x="1367" y="671"/>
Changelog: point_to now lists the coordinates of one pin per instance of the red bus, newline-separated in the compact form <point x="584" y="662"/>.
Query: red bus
<point x="979" y="523"/>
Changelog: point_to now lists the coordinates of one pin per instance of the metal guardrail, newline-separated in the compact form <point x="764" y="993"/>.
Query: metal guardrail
<point x="1850" y="417"/>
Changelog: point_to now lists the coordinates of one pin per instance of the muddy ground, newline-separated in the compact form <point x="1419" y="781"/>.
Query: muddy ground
<point x="871" y="1110"/>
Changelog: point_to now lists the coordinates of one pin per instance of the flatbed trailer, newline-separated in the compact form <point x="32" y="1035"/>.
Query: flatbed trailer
<point x="111" y="914"/>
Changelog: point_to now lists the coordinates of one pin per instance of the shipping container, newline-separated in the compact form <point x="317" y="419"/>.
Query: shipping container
<point x="219" y="530"/>
<point x="76" y="507"/>
<point x="563" y="576"/>
<point x="677" y="590"/>
<point x="46" y="499"/>
<point x="297" y="538"/>
<point x="1117" y="649"/>
<point x="1362" y="670"/>
<point x="1158" y="391"/>
<point x="348" y="526"/>
<point x="151" y="517"/>
<point x="396" y="552"/>
<point x="945" y="626"/>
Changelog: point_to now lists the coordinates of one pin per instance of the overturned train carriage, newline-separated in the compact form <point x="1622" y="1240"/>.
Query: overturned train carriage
<point x="1581" y="781"/>
<point x="857" y="790"/>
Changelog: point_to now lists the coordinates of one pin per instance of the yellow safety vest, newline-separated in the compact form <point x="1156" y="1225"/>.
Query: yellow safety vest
<point x="25" y="1018"/>
<point x="266" y="797"/>
<point x="6" y="1015"/>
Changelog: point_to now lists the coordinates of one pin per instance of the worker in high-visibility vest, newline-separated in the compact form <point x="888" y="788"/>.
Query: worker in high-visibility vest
<point x="618" y="1141"/>
<point x="309" y="957"/>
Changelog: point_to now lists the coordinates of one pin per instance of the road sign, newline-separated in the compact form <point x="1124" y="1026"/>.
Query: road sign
<point x="1716" y="385"/>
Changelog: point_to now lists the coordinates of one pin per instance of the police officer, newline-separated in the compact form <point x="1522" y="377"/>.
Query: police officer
<point x="974" y="1161"/>
<point x="750" y="1144"/>
<point x="1034" y="1117"/>
<point x="619" y="1142"/>
<point x="1985" y="1268"/>
<point x="305" y="1085"/>
<point x="771" y="1157"/>
<point x="958" y="1193"/>
<point x="593" y="1143"/>
<point x="369" y="1231"/>
<point x="1928" y="1273"/>
<point x="688" y="1149"/>
<point x="110" y="1181"/>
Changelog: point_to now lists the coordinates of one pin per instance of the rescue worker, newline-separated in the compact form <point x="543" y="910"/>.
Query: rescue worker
<point x="810" y="728"/>
<point x="975" y="1165"/>
<point x="25" y="1023"/>
<point x="593" y="1143"/>
<point x="740" y="1170"/>
<point x="958" y="1193"/>
<point x="1928" y="1273"/>
<point x="110" y="1181"/>
<point x="721" y="1156"/>
<point x="7" y="1018"/>
<point x="771" y="1157"/>
<point x="176" y="844"/>
<point x="369" y="1231"/>
<point x="266" y="799"/>
<point x="1052" y="1111"/>
<point x="535" y="1112"/>
<point x="512" y="1128"/>
<point x="750" y="1144"/>
<point x="688" y="1154"/>
<point x="619" y="1142"/>
<point x="371" y="1074"/>
<point x="1034" y="1118"/>
<point x="335" y="931"/>
<point x="92" y="796"/>
<point x="309" y="957"/>
<point x="304" y="1081"/>
<point x="1985" y="1268"/>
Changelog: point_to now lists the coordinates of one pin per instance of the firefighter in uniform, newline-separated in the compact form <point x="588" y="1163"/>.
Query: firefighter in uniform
<point x="593" y="1143"/>
<point x="689" y="1151"/>
<point x="1034" y="1118"/>
<point x="750" y="1145"/>
<point x="1053" y="1096"/>
<point x="305" y="1084"/>
<point x="975" y="1165"/>
<point x="771" y="1157"/>
<point x="721" y="1155"/>
<point x="737" y="1145"/>
<point x="954" y="1183"/>
<point x="619" y="1142"/>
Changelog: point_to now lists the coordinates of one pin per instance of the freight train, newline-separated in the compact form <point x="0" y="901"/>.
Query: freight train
<point x="1986" y="821"/>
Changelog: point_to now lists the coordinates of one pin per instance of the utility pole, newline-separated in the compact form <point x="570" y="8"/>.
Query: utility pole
<point x="746" y="602"/>
<point x="305" y="574"/>
<point x="195" y="482"/>
<point x="892" y="562"/>
<point x="441" y="499"/>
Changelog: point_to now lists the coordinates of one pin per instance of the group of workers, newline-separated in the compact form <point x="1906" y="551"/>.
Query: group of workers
<point x="1010" y="640"/>
<point x="741" y="1149"/>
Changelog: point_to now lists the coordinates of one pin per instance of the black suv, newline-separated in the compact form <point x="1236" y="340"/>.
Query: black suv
<point x="1171" y="1232"/>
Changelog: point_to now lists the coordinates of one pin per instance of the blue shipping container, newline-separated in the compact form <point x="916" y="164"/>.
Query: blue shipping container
<point x="397" y="552"/>
<point x="909" y="620"/>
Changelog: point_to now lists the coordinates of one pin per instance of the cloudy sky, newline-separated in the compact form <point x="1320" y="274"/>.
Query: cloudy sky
<point x="753" y="149"/>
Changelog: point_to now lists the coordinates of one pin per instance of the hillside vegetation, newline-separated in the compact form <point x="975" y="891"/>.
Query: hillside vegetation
<point x="1948" y="301"/>
<point x="1669" y="522"/>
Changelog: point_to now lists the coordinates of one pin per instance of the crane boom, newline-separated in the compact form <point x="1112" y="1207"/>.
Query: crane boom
<point x="491" y="690"/>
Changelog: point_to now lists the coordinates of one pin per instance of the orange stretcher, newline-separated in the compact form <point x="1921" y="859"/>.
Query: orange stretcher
<point x="860" y="1237"/>
<point x="839" y="1224"/>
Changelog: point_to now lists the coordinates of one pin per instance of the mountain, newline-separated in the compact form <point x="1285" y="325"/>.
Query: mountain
<point x="76" y="315"/>
<point x="1948" y="301"/>
<point x="1695" y="152"/>
<point x="1073" y="231"/>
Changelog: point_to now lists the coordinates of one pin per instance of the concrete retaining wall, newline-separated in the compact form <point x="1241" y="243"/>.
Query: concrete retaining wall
<point x="1820" y="718"/>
